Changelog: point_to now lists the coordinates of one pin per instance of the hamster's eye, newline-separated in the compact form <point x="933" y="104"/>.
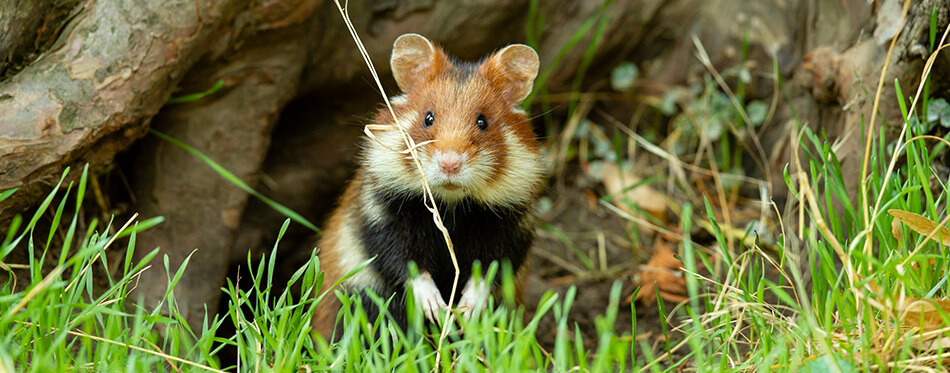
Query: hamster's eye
<point x="481" y="122"/>
<point x="430" y="119"/>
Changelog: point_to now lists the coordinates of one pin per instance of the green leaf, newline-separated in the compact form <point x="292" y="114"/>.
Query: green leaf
<point x="668" y="104"/>
<point x="757" y="111"/>
<point x="196" y="96"/>
<point x="713" y="129"/>
<point x="939" y="110"/>
<point x="623" y="76"/>
<point x="828" y="363"/>
<point x="142" y="225"/>
<point x="7" y="193"/>
<point x="744" y="75"/>
<point x="922" y="128"/>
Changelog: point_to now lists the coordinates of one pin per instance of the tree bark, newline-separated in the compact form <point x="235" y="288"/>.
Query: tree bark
<point x="837" y="85"/>
<point x="202" y="209"/>
<point x="28" y="27"/>
<point x="93" y="92"/>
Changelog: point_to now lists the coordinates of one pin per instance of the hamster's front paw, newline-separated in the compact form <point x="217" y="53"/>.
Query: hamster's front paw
<point x="428" y="297"/>
<point x="474" y="297"/>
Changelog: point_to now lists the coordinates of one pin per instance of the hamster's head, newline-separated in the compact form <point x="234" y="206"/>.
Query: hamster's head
<point x="477" y="142"/>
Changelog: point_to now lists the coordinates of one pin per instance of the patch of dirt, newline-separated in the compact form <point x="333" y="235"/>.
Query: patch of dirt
<point x="576" y="232"/>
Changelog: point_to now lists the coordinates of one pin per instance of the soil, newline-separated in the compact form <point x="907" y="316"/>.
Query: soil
<point x="576" y="214"/>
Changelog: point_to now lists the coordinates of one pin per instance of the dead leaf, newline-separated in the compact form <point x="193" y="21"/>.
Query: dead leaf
<point x="928" y="315"/>
<point x="897" y="231"/>
<point x="663" y="272"/>
<point x="645" y="197"/>
<point x="591" y="200"/>
<point x="920" y="224"/>
<point x="924" y="313"/>
<point x="939" y="344"/>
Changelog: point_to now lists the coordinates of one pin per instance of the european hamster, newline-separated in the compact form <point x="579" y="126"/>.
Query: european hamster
<point x="482" y="161"/>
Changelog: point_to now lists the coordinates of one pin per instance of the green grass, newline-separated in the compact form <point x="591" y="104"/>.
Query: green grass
<point x="64" y="320"/>
<point x="834" y="292"/>
<point x="758" y="313"/>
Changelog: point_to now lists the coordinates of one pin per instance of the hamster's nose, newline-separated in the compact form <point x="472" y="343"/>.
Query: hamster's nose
<point x="450" y="163"/>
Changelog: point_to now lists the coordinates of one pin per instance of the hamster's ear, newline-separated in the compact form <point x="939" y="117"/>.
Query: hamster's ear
<point x="513" y="70"/>
<point x="414" y="60"/>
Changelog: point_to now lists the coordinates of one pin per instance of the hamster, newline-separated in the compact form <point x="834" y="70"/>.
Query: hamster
<point x="483" y="164"/>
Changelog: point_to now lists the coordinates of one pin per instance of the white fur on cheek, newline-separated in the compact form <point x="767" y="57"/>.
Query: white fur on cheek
<point x="427" y="295"/>
<point x="385" y="162"/>
<point x="520" y="177"/>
